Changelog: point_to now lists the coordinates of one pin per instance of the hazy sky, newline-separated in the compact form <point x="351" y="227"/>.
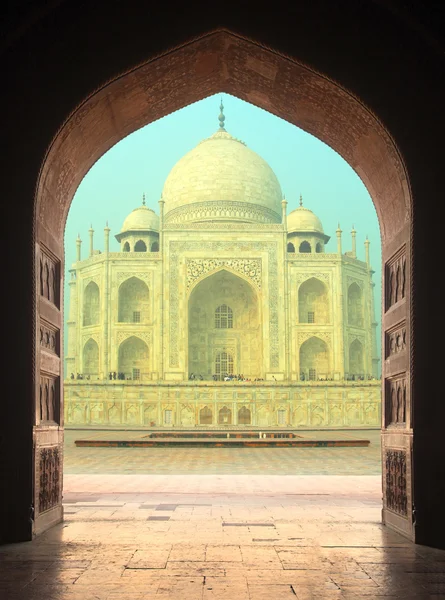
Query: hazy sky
<point x="303" y="164"/>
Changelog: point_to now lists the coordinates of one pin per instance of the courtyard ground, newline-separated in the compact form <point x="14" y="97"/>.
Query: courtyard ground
<point x="221" y="524"/>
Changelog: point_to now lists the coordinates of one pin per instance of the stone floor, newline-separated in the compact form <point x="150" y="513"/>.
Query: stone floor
<point x="220" y="536"/>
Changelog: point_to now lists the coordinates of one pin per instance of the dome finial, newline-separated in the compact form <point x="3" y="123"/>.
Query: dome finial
<point x="143" y="199"/>
<point x="221" y="117"/>
<point x="301" y="200"/>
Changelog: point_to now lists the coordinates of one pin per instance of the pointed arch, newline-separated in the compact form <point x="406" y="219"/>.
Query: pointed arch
<point x="133" y="356"/>
<point x="305" y="248"/>
<point x="90" y="358"/>
<point x="355" y="305"/>
<point x="356" y="358"/>
<point x="133" y="301"/>
<point x="315" y="359"/>
<point x="313" y="302"/>
<point x="91" y="304"/>
<point x="140" y="246"/>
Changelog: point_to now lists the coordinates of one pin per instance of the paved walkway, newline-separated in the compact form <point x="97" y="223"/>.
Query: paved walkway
<point x="283" y="539"/>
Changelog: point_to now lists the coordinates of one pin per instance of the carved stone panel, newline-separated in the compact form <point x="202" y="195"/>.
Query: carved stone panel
<point x="395" y="340"/>
<point x="395" y="490"/>
<point x="48" y="408"/>
<point x="49" y="278"/>
<point x="49" y="480"/>
<point x="49" y="337"/>
<point x="395" y="413"/>
<point x="395" y="278"/>
<point x="249" y="267"/>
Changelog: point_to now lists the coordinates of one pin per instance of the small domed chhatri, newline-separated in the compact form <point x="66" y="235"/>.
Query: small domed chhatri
<point x="222" y="311"/>
<point x="302" y="219"/>
<point x="141" y="219"/>
<point x="222" y="179"/>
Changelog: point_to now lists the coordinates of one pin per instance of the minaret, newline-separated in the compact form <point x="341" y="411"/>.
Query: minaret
<point x="367" y="242"/>
<point x="107" y="238"/>
<point x="91" y="232"/>
<point x="221" y="117"/>
<point x="338" y="232"/>
<point x="78" y="246"/>
<point x="284" y="213"/>
<point x="354" y="247"/>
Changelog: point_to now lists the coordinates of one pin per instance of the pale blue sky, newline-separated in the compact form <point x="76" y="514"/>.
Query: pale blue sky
<point x="303" y="164"/>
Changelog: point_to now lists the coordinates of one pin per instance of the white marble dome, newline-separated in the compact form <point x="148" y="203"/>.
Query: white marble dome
<point x="141" y="219"/>
<point x="304" y="220"/>
<point x="222" y="179"/>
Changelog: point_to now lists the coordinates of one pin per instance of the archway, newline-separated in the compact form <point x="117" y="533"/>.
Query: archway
<point x="224" y="321"/>
<point x="315" y="361"/>
<point x="91" y="304"/>
<point x="133" y="301"/>
<point x="133" y="358"/>
<point x="90" y="359"/>
<point x="222" y="61"/>
<point x="313" y="305"/>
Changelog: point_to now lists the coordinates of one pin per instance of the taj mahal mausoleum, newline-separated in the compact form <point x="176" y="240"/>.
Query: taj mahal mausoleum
<point x="222" y="310"/>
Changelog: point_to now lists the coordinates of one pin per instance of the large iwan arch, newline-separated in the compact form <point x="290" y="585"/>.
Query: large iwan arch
<point x="225" y="62"/>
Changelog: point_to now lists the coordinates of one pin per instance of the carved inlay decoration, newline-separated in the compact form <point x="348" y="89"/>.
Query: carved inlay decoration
<point x="124" y="275"/>
<point x="301" y="277"/>
<point x="352" y="280"/>
<point x="49" y="337"/>
<point x="49" y="278"/>
<point x="49" y="481"/>
<point x="222" y="210"/>
<point x="395" y="413"/>
<point x="395" y="278"/>
<point x="353" y="336"/>
<point x="395" y="340"/>
<point x="145" y="336"/>
<point x="48" y="408"/>
<point x="325" y="336"/>
<point x="395" y="491"/>
<point x="249" y="267"/>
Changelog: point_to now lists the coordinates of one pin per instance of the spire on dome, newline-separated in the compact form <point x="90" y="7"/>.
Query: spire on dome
<point x="143" y="199"/>
<point x="221" y="117"/>
<point x="301" y="200"/>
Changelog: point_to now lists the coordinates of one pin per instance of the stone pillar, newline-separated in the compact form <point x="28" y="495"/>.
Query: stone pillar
<point x="354" y="246"/>
<point x="338" y="232"/>
<point x="91" y="232"/>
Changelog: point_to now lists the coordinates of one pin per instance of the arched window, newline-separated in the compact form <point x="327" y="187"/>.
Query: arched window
<point x="126" y="247"/>
<point x="205" y="416"/>
<point x="155" y="247"/>
<point x="223" y="364"/>
<point x="140" y="246"/>
<point x="223" y="317"/>
<point x="305" y="247"/>
<point x="318" y="248"/>
<point x="290" y="247"/>
<point x="244" y="416"/>
<point x="225" y="416"/>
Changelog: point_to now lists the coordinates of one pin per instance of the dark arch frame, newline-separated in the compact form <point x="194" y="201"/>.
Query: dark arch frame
<point x="365" y="82"/>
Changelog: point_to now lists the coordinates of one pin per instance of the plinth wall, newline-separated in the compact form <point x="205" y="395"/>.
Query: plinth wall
<point x="208" y="404"/>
